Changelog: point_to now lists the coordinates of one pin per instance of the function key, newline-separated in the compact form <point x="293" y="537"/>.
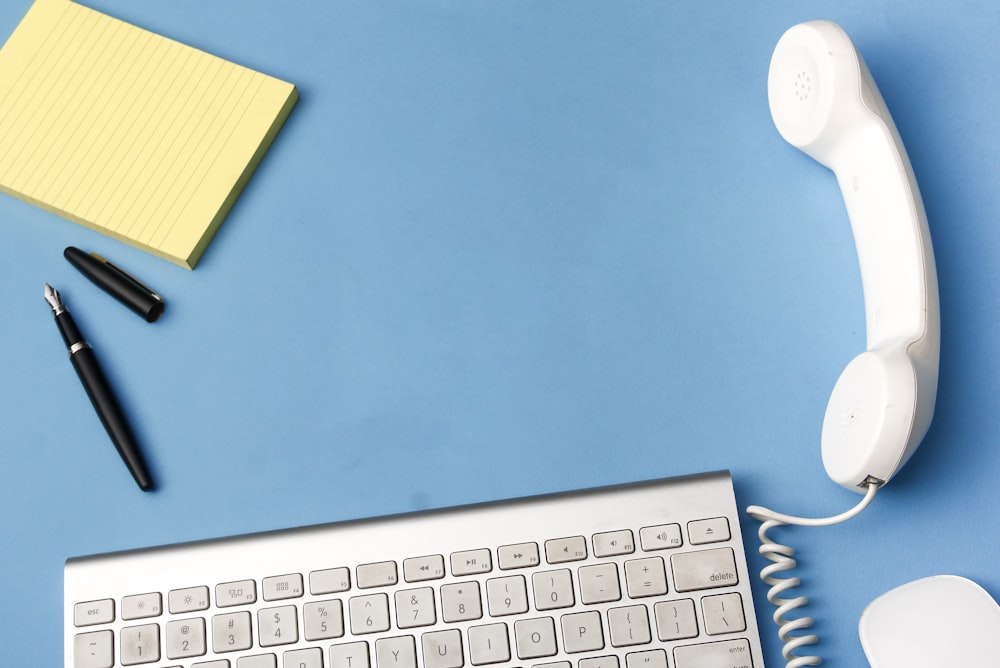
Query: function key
<point x="379" y="574"/>
<point x="330" y="580"/>
<point x="660" y="537"/>
<point x="708" y="531"/>
<point x="235" y="593"/>
<point x="419" y="569"/>
<point x="141" y="606"/>
<point x="280" y="587"/>
<point x="522" y="555"/>
<point x="560" y="550"/>
<point x="187" y="600"/>
<point x="94" y="612"/>
<point x="471" y="562"/>
<point x="612" y="543"/>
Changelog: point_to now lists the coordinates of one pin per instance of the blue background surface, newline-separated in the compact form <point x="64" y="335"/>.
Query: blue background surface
<point x="511" y="248"/>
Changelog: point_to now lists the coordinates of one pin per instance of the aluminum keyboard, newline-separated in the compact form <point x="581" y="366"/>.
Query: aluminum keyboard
<point x="645" y="575"/>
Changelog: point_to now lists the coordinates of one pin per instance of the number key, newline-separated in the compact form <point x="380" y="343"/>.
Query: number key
<point x="277" y="626"/>
<point x="507" y="596"/>
<point x="140" y="644"/>
<point x="231" y="632"/>
<point x="553" y="589"/>
<point x="323" y="619"/>
<point x="461" y="602"/>
<point x="415" y="607"/>
<point x="185" y="638"/>
<point x="369" y="614"/>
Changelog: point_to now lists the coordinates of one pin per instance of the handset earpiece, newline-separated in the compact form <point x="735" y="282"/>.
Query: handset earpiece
<point x="824" y="102"/>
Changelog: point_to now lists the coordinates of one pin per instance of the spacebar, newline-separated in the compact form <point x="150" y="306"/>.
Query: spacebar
<point x="725" y="654"/>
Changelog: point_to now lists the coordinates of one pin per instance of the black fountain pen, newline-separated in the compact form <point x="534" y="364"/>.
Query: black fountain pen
<point x="99" y="391"/>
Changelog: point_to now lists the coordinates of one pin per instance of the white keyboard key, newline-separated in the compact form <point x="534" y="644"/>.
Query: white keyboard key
<point x="660" y="537"/>
<point x="610" y="661"/>
<point x="93" y="650"/>
<point x="142" y="606"/>
<point x="415" y="607"/>
<point x="189" y="599"/>
<point x="349" y="655"/>
<point x="553" y="589"/>
<point x="257" y="661"/>
<point x="442" y="649"/>
<point x="705" y="569"/>
<point x="140" y="644"/>
<point x="397" y="652"/>
<point x="521" y="555"/>
<point x="460" y="602"/>
<point x="381" y="574"/>
<point x="629" y="626"/>
<point x="471" y="562"/>
<point x="723" y="614"/>
<point x="708" y="531"/>
<point x="489" y="644"/>
<point x="329" y="581"/>
<point x="582" y="632"/>
<point x="507" y="596"/>
<point x="277" y="626"/>
<point x="369" y="614"/>
<point x="94" y="612"/>
<point x="561" y="550"/>
<point x="709" y="655"/>
<point x="535" y="638"/>
<point x="231" y="633"/>
<point x="418" y="569"/>
<point x="599" y="583"/>
<point x="645" y="577"/>
<point x="185" y="638"/>
<point x="657" y="658"/>
<point x="323" y="620"/>
<point x="303" y="658"/>
<point x="235" y="593"/>
<point x="675" y="620"/>
<point x="613" y="543"/>
<point x="221" y="663"/>
<point x="281" y="587"/>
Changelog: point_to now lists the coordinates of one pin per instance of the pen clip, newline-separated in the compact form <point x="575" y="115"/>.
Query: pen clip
<point x="127" y="277"/>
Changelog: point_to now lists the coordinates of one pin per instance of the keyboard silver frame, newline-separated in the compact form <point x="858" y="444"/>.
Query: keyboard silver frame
<point x="395" y="537"/>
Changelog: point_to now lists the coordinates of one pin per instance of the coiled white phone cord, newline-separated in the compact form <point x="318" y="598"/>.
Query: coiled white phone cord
<point x="781" y="556"/>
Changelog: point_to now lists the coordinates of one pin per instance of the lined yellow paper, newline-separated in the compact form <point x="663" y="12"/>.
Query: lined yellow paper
<point x="135" y="135"/>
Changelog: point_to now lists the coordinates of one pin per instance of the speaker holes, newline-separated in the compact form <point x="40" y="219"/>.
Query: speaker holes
<point x="802" y="85"/>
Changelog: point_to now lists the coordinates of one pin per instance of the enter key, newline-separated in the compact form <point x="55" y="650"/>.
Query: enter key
<point x="705" y="569"/>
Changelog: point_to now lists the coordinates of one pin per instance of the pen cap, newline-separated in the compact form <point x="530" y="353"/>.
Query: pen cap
<point x="117" y="283"/>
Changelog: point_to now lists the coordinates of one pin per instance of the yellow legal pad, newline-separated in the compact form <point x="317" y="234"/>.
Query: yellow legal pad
<point x="135" y="135"/>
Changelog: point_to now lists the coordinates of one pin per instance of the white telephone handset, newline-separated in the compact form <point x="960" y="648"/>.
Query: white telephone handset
<point x="824" y="102"/>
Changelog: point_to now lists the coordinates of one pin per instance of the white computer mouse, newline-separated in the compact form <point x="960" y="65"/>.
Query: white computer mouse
<point x="944" y="620"/>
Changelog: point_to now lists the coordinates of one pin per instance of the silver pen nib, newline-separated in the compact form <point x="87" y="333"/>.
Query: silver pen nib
<point x="52" y="297"/>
